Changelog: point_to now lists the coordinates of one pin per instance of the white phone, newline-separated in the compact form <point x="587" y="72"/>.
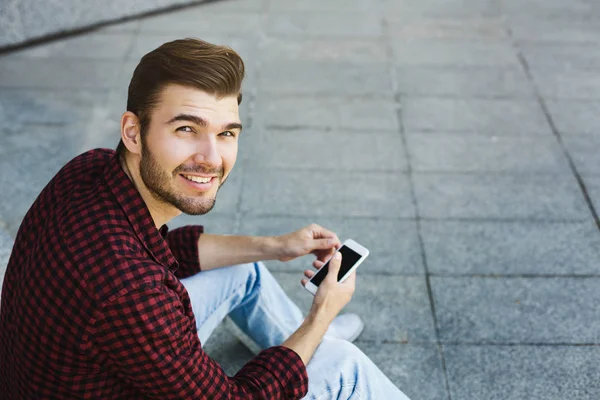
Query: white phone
<point x="353" y="254"/>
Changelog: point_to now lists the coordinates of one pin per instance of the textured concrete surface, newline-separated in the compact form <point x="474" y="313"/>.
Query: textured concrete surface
<point x="456" y="139"/>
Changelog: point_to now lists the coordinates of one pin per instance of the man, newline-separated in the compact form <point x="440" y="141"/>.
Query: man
<point x="100" y="301"/>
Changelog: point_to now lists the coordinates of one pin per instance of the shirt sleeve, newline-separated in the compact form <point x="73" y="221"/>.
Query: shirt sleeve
<point x="144" y="338"/>
<point x="183" y="243"/>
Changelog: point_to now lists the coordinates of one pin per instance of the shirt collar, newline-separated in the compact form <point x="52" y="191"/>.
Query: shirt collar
<point x="138" y="214"/>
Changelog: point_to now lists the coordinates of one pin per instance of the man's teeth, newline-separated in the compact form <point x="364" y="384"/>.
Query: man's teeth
<point x="197" y="179"/>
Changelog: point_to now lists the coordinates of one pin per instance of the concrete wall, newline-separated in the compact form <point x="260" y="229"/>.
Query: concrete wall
<point x="25" y="20"/>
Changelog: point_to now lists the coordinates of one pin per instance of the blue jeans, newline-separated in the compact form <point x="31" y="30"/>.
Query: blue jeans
<point x="255" y="302"/>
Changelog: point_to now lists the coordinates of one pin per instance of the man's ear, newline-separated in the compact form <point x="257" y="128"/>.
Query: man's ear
<point x="131" y="132"/>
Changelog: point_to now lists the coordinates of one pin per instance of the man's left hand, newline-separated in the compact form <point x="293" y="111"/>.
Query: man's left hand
<point x="313" y="239"/>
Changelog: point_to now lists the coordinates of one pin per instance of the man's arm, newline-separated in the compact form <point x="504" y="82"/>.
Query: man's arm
<point x="218" y="251"/>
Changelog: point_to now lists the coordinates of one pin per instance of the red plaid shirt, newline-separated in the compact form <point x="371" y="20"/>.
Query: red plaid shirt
<point x="92" y="306"/>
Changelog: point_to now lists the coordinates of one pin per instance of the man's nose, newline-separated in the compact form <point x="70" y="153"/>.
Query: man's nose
<point x="207" y="152"/>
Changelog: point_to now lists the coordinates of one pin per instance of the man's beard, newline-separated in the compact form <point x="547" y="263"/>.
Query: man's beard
<point x="158" y="182"/>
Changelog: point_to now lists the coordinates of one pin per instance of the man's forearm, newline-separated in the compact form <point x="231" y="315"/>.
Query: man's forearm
<point x="308" y="337"/>
<point x="220" y="251"/>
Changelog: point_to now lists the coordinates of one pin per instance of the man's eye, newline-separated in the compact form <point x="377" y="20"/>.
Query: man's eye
<point x="185" y="129"/>
<point x="228" y="133"/>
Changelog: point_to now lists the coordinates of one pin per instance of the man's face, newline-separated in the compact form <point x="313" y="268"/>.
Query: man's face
<point x="189" y="148"/>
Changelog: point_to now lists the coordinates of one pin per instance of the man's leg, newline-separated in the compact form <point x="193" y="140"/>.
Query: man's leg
<point x="340" y="370"/>
<point x="251" y="296"/>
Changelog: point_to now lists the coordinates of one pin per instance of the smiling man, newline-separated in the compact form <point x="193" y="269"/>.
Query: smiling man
<point x="101" y="301"/>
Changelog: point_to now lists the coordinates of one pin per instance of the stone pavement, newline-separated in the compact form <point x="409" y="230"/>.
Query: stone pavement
<point x="456" y="139"/>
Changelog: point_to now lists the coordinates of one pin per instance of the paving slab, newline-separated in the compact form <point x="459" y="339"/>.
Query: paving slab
<point x="555" y="30"/>
<point x="592" y="183"/>
<point x="558" y="57"/>
<point x="486" y="116"/>
<point x="195" y="21"/>
<point x="296" y="192"/>
<point x="307" y="24"/>
<point x="396" y="252"/>
<point x="6" y="244"/>
<point x="583" y="149"/>
<point x="575" y="117"/>
<point x="415" y="369"/>
<point x="505" y="248"/>
<point x="572" y="85"/>
<point x="474" y="153"/>
<point x="395" y="309"/>
<point x="459" y="9"/>
<point x="352" y="51"/>
<point x="97" y="46"/>
<point x="57" y="73"/>
<point x="499" y="196"/>
<point x="227" y="350"/>
<point x="325" y="78"/>
<point x="328" y="150"/>
<point x="454" y="52"/>
<point x="522" y="372"/>
<point x="332" y="112"/>
<point x="517" y="310"/>
<point x="318" y="5"/>
<point x="447" y="28"/>
<point x="464" y="82"/>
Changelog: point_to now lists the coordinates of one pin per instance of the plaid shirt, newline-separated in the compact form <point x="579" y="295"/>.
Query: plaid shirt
<point x="92" y="306"/>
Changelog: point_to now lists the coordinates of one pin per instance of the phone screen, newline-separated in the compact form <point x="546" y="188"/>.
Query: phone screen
<point x="349" y="258"/>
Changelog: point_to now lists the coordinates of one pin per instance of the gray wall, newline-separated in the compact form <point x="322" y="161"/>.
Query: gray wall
<point x="24" y="20"/>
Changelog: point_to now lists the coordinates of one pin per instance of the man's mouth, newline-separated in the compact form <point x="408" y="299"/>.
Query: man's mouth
<point x="198" y="179"/>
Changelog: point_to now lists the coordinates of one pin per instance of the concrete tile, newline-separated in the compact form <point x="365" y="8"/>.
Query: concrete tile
<point x="478" y="247"/>
<point x="561" y="57"/>
<point x="592" y="183"/>
<point x="580" y="85"/>
<point x="333" y="112"/>
<point x="223" y="347"/>
<point x="548" y="9"/>
<point x="318" y="5"/>
<point x="449" y="28"/>
<point x="198" y="22"/>
<point x="397" y="251"/>
<point x="213" y="223"/>
<point x="416" y="370"/>
<point x="575" y="117"/>
<point x="131" y="26"/>
<point x="335" y="150"/>
<point x="584" y="152"/>
<point x="353" y="51"/>
<point x="555" y="30"/>
<point x="337" y="78"/>
<point x="319" y="193"/>
<point x="58" y="73"/>
<point x="394" y="309"/>
<point x="475" y="153"/>
<point x="466" y="82"/>
<point x="499" y="196"/>
<point x="87" y="46"/>
<point x="11" y="25"/>
<point x="6" y="244"/>
<point x="522" y="372"/>
<point x="462" y="53"/>
<point x="460" y="9"/>
<point x="486" y="116"/>
<point x="319" y="23"/>
<point x="517" y="310"/>
<point x="230" y="6"/>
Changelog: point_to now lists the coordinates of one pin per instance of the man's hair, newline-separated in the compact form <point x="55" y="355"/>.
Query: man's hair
<point x="214" y="69"/>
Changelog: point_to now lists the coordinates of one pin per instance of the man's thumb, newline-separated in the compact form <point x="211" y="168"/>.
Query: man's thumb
<point x="334" y="267"/>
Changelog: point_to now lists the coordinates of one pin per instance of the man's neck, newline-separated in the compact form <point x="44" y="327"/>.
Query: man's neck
<point x="160" y="212"/>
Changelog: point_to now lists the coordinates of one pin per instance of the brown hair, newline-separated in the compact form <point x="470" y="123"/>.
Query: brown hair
<point x="214" y="69"/>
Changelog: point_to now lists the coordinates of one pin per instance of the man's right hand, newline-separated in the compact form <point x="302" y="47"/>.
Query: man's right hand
<point x="329" y="300"/>
<point x="332" y="296"/>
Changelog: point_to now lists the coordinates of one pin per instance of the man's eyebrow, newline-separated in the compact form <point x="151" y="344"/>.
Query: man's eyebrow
<point x="201" y="121"/>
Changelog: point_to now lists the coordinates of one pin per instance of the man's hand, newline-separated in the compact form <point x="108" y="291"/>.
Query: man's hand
<point x="313" y="239"/>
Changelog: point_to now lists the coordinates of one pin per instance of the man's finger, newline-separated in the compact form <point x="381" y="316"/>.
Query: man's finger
<point x="309" y="274"/>
<point x="334" y="267"/>
<point x="318" y="264"/>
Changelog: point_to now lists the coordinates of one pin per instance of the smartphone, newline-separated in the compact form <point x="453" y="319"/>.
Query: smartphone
<point x="353" y="254"/>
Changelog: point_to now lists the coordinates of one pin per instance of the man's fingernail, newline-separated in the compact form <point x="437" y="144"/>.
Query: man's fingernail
<point x="337" y="255"/>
